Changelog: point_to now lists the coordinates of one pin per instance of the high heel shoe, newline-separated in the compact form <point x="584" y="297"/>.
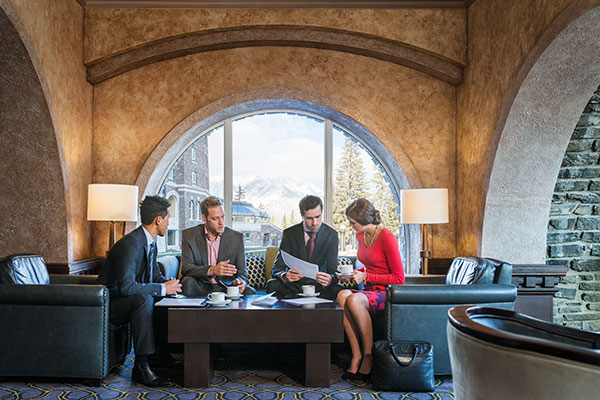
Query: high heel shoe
<point x="348" y="376"/>
<point x="366" y="378"/>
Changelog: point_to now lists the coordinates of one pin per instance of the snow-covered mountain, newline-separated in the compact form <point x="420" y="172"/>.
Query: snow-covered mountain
<point x="279" y="196"/>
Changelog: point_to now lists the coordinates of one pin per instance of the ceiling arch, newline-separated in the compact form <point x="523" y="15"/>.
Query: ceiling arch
<point x="276" y="35"/>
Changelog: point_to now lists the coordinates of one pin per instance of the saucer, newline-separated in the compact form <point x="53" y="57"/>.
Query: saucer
<point x="239" y="296"/>
<point x="219" y="304"/>
<point x="309" y="295"/>
<point x="344" y="275"/>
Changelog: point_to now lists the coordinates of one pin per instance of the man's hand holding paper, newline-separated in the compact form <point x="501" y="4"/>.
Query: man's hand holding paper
<point x="302" y="267"/>
<point x="294" y="275"/>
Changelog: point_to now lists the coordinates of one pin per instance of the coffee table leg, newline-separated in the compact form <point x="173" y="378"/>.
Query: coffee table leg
<point x="197" y="369"/>
<point x="318" y="365"/>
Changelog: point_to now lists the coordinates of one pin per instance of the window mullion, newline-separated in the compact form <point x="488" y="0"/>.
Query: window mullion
<point x="228" y="171"/>
<point x="328" y="172"/>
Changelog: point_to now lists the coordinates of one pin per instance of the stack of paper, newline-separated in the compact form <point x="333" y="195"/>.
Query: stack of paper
<point x="307" y="300"/>
<point x="267" y="300"/>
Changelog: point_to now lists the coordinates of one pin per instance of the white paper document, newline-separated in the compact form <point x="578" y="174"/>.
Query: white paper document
<point x="267" y="300"/>
<point x="307" y="300"/>
<point x="307" y="269"/>
<point x="180" y="302"/>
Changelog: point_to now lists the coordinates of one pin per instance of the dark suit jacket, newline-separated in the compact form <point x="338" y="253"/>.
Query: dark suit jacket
<point x="194" y="254"/>
<point x="126" y="265"/>
<point x="324" y="255"/>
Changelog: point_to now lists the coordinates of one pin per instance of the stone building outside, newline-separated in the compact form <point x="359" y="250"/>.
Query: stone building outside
<point x="187" y="184"/>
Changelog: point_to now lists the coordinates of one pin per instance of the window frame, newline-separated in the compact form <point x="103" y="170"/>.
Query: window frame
<point x="202" y="122"/>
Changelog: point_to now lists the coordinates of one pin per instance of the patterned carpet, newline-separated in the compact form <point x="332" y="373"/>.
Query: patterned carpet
<point x="227" y="384"/>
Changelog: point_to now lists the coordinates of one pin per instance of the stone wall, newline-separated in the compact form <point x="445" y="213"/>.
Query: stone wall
<point x="574" y="226"/>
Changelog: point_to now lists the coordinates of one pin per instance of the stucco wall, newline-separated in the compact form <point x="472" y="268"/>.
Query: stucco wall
<point x="55" y="28"/>
<point x="408" y="111"/>
<point x="499" y="40"/>
<point x="32" y="189"/>
<point x="437" y="31"/>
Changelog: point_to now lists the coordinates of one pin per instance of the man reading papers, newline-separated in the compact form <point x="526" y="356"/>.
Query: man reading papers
<point x="312" y="241"/>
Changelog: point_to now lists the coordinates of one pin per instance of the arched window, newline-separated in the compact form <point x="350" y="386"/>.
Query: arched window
<point x="261" y="164"/>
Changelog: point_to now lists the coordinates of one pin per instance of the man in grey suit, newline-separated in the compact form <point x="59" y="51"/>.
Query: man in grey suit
<point x="311" y="241"/>
<point x="212" y="255"/>
<point x="134" y="280"/>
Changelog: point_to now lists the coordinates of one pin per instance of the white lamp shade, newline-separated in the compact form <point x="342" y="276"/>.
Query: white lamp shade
<point x="424" y="206"/>
<point x="107" y="202"/>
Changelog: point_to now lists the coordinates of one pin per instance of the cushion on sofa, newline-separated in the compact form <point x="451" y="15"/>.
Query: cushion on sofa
<point x="271" y="255"/>
<point x="470" y="271"/>
<point x="169" y="267"/>
<point x="26" y="269"/>
<point x="255" y="268"/>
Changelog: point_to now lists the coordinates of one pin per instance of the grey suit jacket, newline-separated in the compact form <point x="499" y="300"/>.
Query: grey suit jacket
<point x="125" y="267"/>
<point x="194" y="254"/>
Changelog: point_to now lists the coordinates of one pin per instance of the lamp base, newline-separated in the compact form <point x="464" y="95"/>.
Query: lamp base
<point x="112" y="234"/>
<point x="425" y="253"/>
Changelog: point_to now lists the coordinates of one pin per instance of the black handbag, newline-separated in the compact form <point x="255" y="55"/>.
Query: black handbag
<point x="401" y="366"/>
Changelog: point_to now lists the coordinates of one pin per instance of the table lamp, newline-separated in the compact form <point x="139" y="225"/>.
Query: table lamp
<point x="424" y="206"/>
<point x="109" y="202"/>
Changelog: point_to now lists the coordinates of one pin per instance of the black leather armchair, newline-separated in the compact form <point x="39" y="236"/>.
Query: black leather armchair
<point x="55" y="326"/>
<point x="418" y="310"/>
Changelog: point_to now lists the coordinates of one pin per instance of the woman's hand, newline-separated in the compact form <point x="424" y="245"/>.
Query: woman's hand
<point x="359" y="276"/>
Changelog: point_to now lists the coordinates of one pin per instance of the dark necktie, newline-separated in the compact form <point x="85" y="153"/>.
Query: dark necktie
<point x="310" y="245"/>
<point x="151" y="261"/>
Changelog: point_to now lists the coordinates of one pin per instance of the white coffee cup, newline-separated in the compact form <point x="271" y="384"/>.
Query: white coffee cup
<point x="233" y="291"/>
<point x="217" y="297"/>
<point x="347" y="269"/>
<point x="308" y="290"/>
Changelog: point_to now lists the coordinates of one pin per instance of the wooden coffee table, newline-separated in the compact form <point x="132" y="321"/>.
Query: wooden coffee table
<point x="240" y="322"/>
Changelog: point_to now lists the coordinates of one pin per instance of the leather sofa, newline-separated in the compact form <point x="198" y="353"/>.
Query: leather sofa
<point x="418" y="310"/>
<point x="56" y="325"/>
<point x="499" y="354"/>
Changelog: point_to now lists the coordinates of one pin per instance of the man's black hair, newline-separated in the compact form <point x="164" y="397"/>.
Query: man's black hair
<point x="309" y="202"/>
<point x="152" y="207"/>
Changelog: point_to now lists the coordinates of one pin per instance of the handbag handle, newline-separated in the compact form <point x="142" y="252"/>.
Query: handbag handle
<point x="404" y="364"/>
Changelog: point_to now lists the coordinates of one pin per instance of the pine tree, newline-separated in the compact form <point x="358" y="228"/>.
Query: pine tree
<point x="240" y="194"/>
<point x="284" y="223"/>
<point x="350" y="182"/>
<point x="383" y="200"/>
<point x="292" y="217"/>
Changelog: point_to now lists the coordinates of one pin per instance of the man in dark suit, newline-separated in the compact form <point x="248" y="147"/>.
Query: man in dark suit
<point x="212" y="255"/>
<point x="134" y="281"/>
<point x="311" y="241"/>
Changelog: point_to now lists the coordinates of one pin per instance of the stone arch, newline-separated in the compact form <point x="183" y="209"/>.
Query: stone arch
<point x="33" y="184"/>
<point x="536" y="123"/>
<point x="177" y="139"/>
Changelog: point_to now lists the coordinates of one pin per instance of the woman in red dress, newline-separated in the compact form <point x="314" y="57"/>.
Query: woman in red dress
<point x="378" y="252"/>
